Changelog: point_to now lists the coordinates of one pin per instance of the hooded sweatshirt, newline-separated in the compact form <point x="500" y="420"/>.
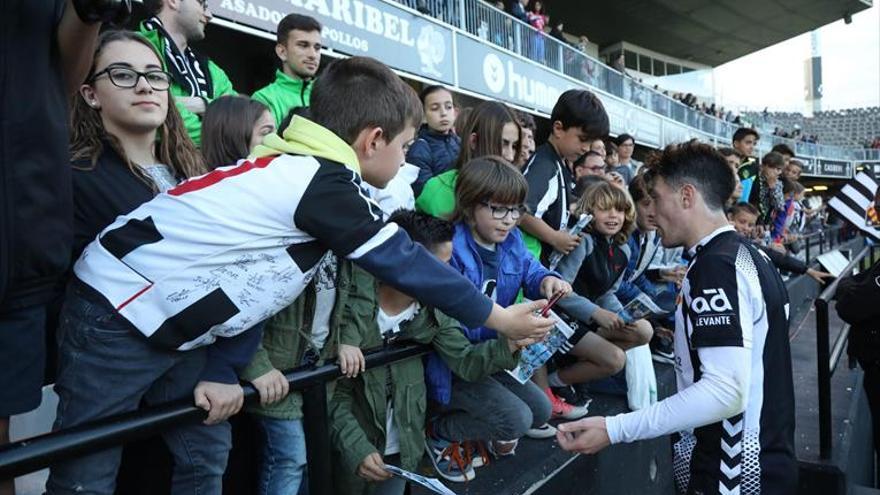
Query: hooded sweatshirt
<point x="222" y="252"/>
<point x="284" y="94"/>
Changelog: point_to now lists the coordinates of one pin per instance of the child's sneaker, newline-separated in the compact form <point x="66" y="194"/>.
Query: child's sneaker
<point x="449" y="459"/>
<point x="503" y="448"/>
<point x="561" y="409"/>
<point x="546" y="430"/>
<point x="662" y="348"/>
<point x="476" y="453"/>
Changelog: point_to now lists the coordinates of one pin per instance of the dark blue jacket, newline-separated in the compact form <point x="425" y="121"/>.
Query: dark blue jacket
<point x="517" y="269"/>
<point x="433" y="153"/>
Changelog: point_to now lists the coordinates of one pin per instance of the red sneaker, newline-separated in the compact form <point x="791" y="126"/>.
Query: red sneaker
<point x="562" y="409"/>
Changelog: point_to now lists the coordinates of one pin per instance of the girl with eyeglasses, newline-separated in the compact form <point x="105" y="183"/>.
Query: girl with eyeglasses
<point x="128" y="144"/>
<point x="127" y="140"/>
<point x="488" y="249"/>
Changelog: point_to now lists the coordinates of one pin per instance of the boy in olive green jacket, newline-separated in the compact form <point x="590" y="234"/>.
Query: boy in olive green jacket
<point x="300" y="334"/>
<point x="378" y="417"/>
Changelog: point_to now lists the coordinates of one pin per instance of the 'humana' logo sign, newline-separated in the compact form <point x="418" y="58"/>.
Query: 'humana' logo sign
<point x="499" y="76"/>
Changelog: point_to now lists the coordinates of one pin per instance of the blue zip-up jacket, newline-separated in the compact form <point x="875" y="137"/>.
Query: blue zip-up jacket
<point x="517" y="269"/>
<point x="433" y="153"/>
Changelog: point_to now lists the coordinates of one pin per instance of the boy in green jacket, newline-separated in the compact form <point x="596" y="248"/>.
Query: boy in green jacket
<point x="196" y="81"/>
<point x="299" y="50"/>
<point x="378" y="417"/>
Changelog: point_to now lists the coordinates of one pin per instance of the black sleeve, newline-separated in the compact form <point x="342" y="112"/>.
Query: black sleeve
<point x="336" y="211"/>
<point x="784" y="261"/>
<point x="713" y="303"/>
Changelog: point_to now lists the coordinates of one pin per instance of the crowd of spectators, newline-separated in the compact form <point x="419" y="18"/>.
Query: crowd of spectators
<point x="218" y="238"/>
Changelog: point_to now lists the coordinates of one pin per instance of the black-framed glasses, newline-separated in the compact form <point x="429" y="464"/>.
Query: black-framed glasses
<point x="123" y="77"/>
<point x="501" y="212"/>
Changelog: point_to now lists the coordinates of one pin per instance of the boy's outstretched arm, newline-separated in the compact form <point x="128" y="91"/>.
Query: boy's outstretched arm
<point x="340" y="216"/>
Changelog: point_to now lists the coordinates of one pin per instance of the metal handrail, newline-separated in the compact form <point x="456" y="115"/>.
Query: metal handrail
<point x="32" y="454"/>
<point x="826" y="359"/>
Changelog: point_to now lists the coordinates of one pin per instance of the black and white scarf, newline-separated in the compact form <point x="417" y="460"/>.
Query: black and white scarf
<point x="185" y="67"/>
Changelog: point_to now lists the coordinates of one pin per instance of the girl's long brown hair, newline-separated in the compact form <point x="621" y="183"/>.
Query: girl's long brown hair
<point x="486" y="121"/>
<point x="174" y="147"/>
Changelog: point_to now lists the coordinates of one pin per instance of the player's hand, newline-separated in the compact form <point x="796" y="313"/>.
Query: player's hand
<point x="351" y="360"/>
<point x="221" y="400"/>
<point x="585" y="436"/>
<point x="519" y="321"/>
<point x="607" y="319"/>
<point x="563" y="242"/>
<point x="550" y="286"/>
<point x="372" y="468"/>
<point x="272" y="387"/>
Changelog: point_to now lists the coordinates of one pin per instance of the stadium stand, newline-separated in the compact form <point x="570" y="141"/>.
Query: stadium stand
<point x="846" y="127"/>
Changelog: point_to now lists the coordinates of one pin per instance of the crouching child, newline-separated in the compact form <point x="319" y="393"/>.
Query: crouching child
<point x="378" y="417"/>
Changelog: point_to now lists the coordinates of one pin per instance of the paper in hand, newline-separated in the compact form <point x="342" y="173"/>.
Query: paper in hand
<point x="640" y="307"/>
<point x="432" y="484"/>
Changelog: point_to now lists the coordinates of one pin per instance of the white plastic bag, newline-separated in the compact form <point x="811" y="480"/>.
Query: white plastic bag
<point x="641" y="383"/>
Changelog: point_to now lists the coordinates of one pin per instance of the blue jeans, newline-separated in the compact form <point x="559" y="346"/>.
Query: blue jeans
<point x="105" y="367"/>
<point x="284" y="457"/>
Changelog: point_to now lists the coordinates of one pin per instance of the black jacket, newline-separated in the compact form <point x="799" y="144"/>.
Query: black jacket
<point x="102" y="193"/>
<point x="35" y="191"/>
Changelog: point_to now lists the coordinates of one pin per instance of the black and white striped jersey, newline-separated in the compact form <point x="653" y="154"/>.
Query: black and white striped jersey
<point x="219" y="253"/>
<point x="735" y="403"/>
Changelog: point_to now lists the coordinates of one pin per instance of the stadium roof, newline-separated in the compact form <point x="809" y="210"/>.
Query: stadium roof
<point x="703" y="31"/>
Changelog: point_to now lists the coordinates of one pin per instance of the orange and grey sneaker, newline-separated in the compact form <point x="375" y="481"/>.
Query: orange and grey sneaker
<point x="562" y="409"/>
<point x="475" y="452"/>
<point x="449" y="459"/>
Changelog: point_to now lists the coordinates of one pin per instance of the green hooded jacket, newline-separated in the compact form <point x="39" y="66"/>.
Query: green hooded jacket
<point x="358" y="405"/>
<point x="220" y="84"/>
<point x="285" y="94"/>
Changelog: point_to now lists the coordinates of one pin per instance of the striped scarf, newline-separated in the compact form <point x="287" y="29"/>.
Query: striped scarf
<point x="184" y="67"/>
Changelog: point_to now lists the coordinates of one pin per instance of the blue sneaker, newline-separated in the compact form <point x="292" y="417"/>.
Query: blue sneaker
<point x="450" y="459"/>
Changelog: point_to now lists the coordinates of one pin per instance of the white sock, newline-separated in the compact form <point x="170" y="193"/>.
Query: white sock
<point x="554" y="380"/>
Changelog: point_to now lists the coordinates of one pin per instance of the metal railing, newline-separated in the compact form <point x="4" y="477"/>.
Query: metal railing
<point x="484" y="20"/>
<point x="32" y="454"/>
<point x="819" y="241"/>
<point x="828" y="356"/>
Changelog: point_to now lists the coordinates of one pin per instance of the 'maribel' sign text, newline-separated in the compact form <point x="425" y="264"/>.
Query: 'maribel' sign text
<point x="358" y="27"/>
